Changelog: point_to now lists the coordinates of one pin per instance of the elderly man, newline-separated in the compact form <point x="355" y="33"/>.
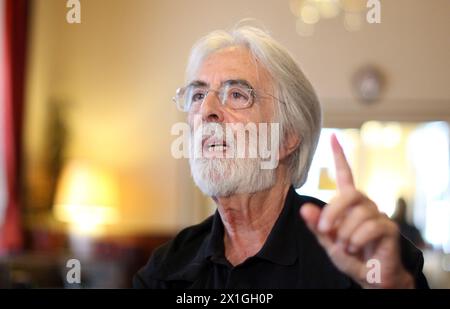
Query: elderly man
<point x="263" y="234"/>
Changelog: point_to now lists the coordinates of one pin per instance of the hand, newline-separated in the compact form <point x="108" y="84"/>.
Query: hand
<point x="357" y="237"/>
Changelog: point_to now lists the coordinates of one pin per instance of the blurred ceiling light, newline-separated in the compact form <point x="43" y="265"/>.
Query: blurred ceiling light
<point x="328" y="8"/>
<point x="310" y="14"/>
<point x="311" y="11"/>
<point x="86" y="198"/>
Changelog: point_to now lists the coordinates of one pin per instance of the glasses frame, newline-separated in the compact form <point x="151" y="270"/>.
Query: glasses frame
<point x="180" y="92"/>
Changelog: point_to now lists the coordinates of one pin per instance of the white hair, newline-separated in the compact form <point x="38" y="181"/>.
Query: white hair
<point x="301" y="113"/>
<point x="222" y="176"/>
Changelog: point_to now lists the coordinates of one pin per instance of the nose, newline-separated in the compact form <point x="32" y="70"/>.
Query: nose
<point x="211" y="108"/>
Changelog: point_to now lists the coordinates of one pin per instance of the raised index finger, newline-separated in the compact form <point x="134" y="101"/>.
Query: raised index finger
<point x="344" y="177"/>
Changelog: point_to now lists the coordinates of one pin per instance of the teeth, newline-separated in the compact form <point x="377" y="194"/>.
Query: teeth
<point x="216" y="148"/>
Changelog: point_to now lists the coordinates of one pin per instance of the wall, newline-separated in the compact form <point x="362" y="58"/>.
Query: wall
<point x="113" y="76"/>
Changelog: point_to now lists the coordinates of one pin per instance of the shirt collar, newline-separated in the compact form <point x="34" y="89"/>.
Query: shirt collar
<point x="214" y="248"/>
<point x="280" y="246"/>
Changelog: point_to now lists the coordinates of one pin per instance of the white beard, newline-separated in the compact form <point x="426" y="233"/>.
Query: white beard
<point x="221" y="177"/>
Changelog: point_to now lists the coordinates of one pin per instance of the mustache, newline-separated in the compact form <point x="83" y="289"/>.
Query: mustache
<point x="212" y="140"/>
<point x="211" y="133"/>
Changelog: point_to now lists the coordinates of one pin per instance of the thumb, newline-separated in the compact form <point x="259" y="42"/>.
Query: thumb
<point x="311" y="214"/>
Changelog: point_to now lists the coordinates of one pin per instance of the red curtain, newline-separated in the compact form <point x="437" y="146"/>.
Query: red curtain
<point x="15" y="41"/>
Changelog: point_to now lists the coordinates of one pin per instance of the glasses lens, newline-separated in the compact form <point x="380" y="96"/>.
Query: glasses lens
<point x="178" y="99"/>
<point x="237" y="97"/>
<point x="233" y="96"/>
<point x="191" y="97"/>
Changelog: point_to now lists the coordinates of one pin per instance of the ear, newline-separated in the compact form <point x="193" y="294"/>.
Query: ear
<point x="290" y="144"/>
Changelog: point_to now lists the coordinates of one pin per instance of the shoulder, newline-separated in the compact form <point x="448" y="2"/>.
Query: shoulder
<point x="172" y="257"/>
<point x="302" y="199"/>
<point x="298" y="200"/>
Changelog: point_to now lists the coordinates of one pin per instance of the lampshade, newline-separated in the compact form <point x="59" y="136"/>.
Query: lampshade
<point x="325" y="180"/>
<point x="86" y="197"/>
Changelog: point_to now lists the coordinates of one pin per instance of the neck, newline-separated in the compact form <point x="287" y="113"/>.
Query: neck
<point x="248" y="218"/>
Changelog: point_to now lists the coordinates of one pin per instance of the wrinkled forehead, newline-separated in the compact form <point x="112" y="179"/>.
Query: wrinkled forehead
<point x="232" y="63"/>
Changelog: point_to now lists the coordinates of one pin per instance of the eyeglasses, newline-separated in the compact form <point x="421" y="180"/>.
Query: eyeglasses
<point x="235" y="94"/>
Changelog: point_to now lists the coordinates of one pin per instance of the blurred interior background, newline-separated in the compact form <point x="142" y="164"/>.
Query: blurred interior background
<point x="86" y="170"/>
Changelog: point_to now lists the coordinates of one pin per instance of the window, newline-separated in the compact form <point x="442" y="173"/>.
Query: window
<point x="391" y="160"/>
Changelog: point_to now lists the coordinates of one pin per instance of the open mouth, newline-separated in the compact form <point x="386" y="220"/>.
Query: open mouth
<point x="215" y="146"/>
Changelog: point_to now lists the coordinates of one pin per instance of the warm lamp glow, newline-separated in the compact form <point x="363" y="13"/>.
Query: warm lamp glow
<point x="87" y="198"/>
<point x="326" y="182"/>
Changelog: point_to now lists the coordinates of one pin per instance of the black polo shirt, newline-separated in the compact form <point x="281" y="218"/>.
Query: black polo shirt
<point x="290" y="258"/>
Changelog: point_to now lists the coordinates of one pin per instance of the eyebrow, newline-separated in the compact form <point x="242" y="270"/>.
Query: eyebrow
<point x="200" y="83"/>
<point x="197" y="83"/>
